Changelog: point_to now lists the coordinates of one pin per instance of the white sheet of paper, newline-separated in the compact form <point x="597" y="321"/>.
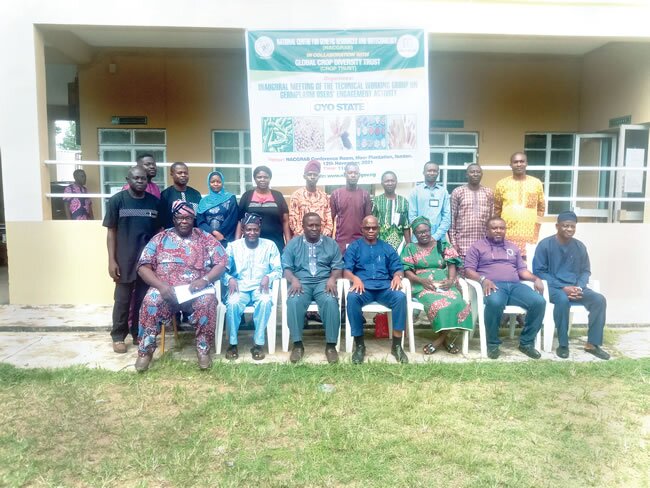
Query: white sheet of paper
<point x="183" y="293"/>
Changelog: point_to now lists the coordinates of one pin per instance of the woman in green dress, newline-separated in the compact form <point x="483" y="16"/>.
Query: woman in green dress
<point x="430" y="266"/>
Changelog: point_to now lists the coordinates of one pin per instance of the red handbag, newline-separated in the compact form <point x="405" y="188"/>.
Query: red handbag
<point x="381" y="325"/>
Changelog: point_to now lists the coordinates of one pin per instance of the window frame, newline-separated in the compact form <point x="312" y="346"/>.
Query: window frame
<point x="244" y="185"/>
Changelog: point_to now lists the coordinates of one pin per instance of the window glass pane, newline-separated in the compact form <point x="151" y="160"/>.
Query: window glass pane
<point x="559" y="190"/>
<point x="437" y="157"/>
<point x="555" y="208"/>
<point x="560" y="176"/>
<point x="247" y="156"/>
<point x="229" y="156"/>
<point x="114" y="136"/>
<point x="247" y="139"/>
<point x="116" y="155"/>
<point x="562" y="141"/>
<point x="149" y="137"/>
<point x="230" y="174"/>
<point x="537" y="174"/>
<point x="226" y="139"/>
<point x="455" y="177"/>
<point x="462" y="139"/>
<point x="460" y="158"/>
<point x="536" y="158"/>
<point x="535" y="141"/>
<point x="561" y="158"/>
<point x="436" y="139"/>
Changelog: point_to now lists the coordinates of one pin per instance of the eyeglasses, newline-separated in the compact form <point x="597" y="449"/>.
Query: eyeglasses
<point x="368" y="227"/>
<point x="184" y="218"/>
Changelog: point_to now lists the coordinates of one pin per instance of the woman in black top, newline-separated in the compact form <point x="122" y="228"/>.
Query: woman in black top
<point x="270" y="205"/>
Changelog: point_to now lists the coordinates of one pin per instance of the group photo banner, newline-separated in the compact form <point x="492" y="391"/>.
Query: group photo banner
<point x="339" y="96"/>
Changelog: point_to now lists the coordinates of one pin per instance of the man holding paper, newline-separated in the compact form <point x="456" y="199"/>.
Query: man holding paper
<point x="183" y="256"/>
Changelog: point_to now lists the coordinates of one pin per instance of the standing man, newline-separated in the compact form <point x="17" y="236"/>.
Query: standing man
<point x="564" y="263"/>
<point x="431" y="200"/>
<point x="131" y="219"/>
<point x="519" y="201"/>
<point x="312" y="263"/>
<point x="253" y="264"/>
<point x="498" y="266"/>
<point x="179" y="190"/>
<point x="310" y="199"/>
<point x="376" y="273"/>
<point x="471" y="206"/>
<point x="148" y="163"/>
<point x="392" y="212"/>
<point x="349" y="206"/>
<point x="77" y="208"/>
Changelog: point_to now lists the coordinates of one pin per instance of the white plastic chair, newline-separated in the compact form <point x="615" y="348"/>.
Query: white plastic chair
<point x="375" y="307"/>
<point x="413" y="305"/>
<point x="478" y="306"/>
<point x="575" y="310"/>
<point x="313" y="307"/>
<point x="270" y="325"/>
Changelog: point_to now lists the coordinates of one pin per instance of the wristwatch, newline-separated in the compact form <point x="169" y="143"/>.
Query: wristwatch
<point x="481" y="279"/>
<point x="205" y="278"/>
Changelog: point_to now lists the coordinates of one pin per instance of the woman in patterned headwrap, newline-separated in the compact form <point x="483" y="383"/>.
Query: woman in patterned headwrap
<point x="430" y="266"/>
<point x="182" y="255"/>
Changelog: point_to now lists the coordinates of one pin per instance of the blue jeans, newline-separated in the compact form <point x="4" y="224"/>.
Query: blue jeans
<point x="595" y="304"/>
<point x="514" y="293"/>
<point x="395" y="300"/>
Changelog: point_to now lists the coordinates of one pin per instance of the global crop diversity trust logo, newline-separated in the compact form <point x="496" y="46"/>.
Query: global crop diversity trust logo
<point x="264" y="47"/>
<point x="408" y="46"/>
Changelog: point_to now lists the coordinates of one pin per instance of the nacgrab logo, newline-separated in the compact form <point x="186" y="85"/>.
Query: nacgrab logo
<point x="264" y="47"/>
<point x="408" y="46"/>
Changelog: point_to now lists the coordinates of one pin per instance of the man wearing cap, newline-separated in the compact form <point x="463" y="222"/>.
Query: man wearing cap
<point x="181" y="255"/>
<point x="563" y="262"/>
<point x="310" y="199"/>
<point x="253" y="265"/>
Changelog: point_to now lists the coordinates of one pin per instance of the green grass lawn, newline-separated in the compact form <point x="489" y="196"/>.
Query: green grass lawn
<point x="529" y="424"/>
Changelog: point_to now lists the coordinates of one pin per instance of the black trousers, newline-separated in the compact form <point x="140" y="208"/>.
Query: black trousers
<point x="122" y="296"/>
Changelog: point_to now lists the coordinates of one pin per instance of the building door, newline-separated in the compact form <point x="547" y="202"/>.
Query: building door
<point x="592" y="186"/>
<point x="631" y="179"/>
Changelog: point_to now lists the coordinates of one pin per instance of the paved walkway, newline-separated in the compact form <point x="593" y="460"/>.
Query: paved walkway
<point x="60" y="336"/>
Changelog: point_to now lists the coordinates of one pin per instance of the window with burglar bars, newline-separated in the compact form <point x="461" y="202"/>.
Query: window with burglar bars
<point x="231" y="152"/>
<point x="453" y="149"/>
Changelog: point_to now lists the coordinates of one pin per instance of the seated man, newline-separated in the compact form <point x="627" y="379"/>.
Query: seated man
<point x="564" y="263"/>
<point x="376" y="273"/>
<point x="181" y="255"/>
<point x="253" y="264"/>
<point x="497" y="264"/>
<point x="312" y="263"/>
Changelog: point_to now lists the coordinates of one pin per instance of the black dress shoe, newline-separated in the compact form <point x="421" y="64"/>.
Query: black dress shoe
<point x="530" y="351"/>
<point x="399" y="354"/>
<point x="493" y="352"/>
<point x="562" y="352"/>
<point x="359" y="354"/>
<point x="598" y="352"/>
<point x="331" y="355"/>
<point x="296" y="354"/>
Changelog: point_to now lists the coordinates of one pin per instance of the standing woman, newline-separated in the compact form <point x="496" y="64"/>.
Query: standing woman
<point x="218" y="213"/>
<point x="430" y="266"/>
<point x="270" y="205"/>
